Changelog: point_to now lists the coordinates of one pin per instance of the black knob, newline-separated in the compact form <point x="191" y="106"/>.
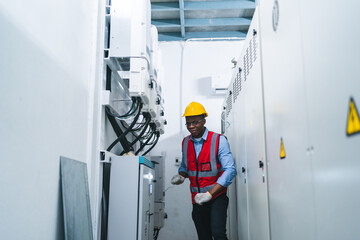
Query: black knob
<point x="243" y="170"/>
<point x="261" y="164"/>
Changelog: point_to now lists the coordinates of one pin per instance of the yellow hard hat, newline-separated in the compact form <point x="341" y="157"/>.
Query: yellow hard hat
<point x="195" y="109"/>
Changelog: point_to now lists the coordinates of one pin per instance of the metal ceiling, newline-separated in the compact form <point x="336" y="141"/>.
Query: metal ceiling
<point x="178" y="20"/>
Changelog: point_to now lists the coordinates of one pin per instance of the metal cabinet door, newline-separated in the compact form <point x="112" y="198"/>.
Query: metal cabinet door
<point x="230" y="126"/>
<point x="255" y="155"/>
<point x="290" y="179"/>
<point x="258" y="212"/>
<point x="331" y="63"/>
<point x="239" y="151"/>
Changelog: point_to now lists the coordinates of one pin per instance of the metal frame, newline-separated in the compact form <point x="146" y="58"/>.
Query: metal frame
<point x="179" y="20"/>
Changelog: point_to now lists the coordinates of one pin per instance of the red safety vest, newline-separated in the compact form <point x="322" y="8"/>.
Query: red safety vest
<point x="204" y="171"/>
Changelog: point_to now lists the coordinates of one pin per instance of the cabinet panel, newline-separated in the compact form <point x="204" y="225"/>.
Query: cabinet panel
<point x="291" y="193"/>
<point x="331" y="63"/>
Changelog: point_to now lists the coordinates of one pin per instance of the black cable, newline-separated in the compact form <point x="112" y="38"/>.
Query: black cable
<point x="134" y="133"/>
<point x="152" y="138"/>
<point x="143" y="145"/>
<point x="152" y="130"/>
<point x="131" y="111"/>
<point x="152" y="141"/>
<point x="138" y="127"/>
<point x="104" y="221"/>
<point x="157" y="139"/>
<point x="118" y="131"/>
<point x="142" y="132"/>
<point x="126" y="131"/>
<point x="105" y="200"/>
<point x="140" y="135"/>
<point x="108" y="78"/>
<point x="148" y="134"/>
<point x="156" y="234"/>
<point x="125" y="144"/>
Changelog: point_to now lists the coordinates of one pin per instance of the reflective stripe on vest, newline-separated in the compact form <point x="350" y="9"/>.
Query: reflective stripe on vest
<point x="203" y="189"/>
<point x="185" y="148"/>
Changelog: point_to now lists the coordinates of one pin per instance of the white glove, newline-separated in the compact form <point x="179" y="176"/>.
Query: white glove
<point x="201" y="198"/>
<point x="177" y="179"/>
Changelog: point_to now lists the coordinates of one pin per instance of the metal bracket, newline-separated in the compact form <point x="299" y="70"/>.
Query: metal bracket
<point x="105" y="156"/>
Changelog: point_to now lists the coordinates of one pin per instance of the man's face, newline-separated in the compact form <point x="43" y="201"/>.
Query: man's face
<point x="195" y="125"/>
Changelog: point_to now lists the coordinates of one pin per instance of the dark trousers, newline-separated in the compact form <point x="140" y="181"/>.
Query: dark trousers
<point x="210" y="218"/>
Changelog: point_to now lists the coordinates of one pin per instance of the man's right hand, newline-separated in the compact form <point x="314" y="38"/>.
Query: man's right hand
<point x="177" y="179"/>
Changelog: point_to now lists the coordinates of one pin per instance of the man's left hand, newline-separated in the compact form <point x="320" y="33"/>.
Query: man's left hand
<point x="201" y="198"/>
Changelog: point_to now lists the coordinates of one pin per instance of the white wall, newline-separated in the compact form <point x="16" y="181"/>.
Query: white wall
<point x="48" y="71"/>
<point x="187" y="68"/>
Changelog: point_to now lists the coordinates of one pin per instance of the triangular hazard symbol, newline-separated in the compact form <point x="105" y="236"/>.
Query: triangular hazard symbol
<point x="282" y="150"/>
<point x="353" y="124"/>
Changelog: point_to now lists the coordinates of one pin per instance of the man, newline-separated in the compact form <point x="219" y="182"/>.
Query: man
<point x="208" y="163"/>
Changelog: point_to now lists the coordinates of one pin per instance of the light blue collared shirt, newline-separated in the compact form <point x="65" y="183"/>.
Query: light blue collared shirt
<point x="225" y="157"/>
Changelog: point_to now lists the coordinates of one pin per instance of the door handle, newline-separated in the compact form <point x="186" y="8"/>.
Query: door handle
<point x="261" y="164"/>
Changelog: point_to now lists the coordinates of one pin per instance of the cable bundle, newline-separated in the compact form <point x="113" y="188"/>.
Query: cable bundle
<point x="144" y="131"/>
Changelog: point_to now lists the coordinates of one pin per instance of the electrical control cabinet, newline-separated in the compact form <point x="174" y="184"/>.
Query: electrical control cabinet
<point x="130" y="28"/>
<point x="131" y="55"/>
<point x="130" y="44"/>
<point x="231" y="225"/>
<point x="332" y="78"/>
<point x="292" y="120"/>
<point x="244" y="126"/>
<point x="287" y="132"/>
<point x="139" y="81"/>
<point x="131" y="198"/>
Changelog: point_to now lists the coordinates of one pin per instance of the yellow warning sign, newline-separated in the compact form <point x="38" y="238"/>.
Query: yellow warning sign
<point x="282" y="150"/>
<point x="353" y="123"/>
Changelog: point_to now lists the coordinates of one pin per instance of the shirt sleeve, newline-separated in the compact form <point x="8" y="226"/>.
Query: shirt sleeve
<point x="227" y="162"/>
<point x="182" y="167"/>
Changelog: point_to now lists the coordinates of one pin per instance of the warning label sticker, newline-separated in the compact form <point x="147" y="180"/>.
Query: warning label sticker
<point x="353" y="123"/>
<point x="282" y="150"/>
